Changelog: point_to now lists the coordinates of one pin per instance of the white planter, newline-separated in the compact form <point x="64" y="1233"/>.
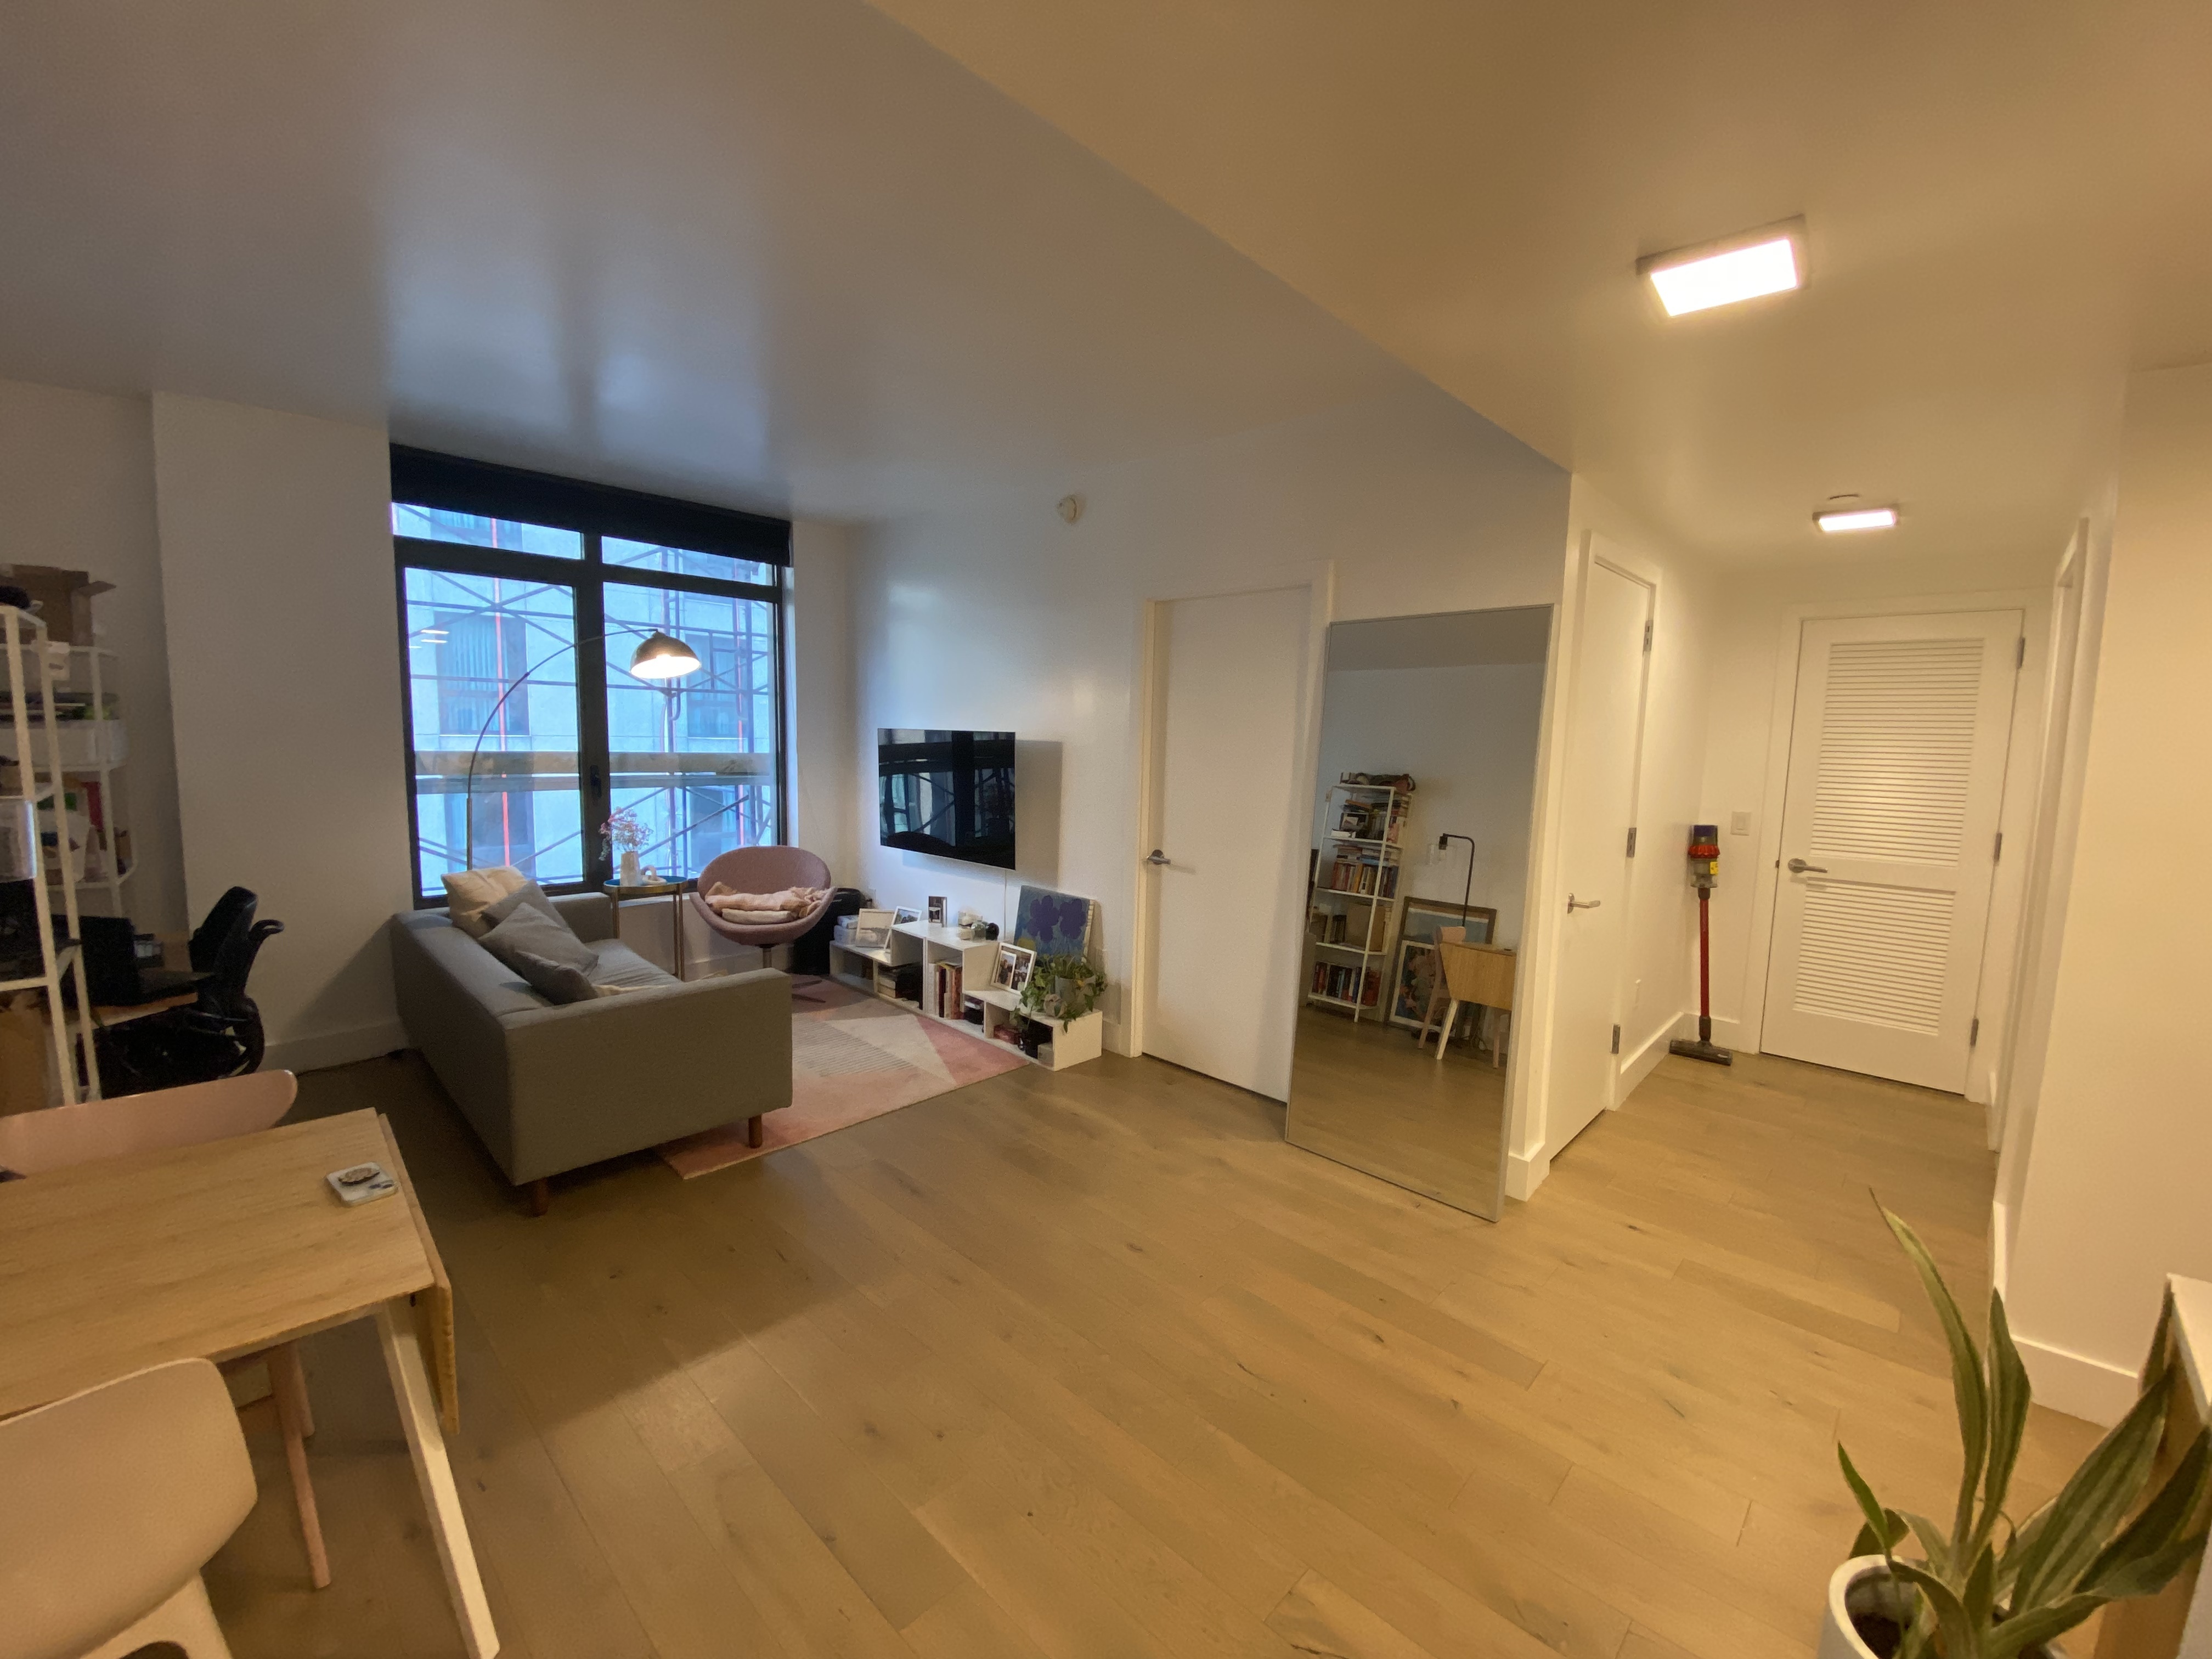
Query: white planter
<point x="1856" y="1583"/>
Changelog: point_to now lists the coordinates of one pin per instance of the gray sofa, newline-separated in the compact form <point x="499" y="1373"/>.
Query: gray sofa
<point x="550" y="1088"/>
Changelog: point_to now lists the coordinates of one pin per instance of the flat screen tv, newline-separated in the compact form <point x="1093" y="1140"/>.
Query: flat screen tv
<point x="948" y="793"/>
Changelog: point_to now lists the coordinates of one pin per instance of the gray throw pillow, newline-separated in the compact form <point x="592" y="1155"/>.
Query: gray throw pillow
<point x="544" y="953"/>
<point x="529" y="894"/>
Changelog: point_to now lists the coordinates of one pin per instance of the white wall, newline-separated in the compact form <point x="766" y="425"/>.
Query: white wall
<point x="1753" y="653"/>
<point x="998" y="615"/>
<point x="76" y="490"/>
<point x="1468" y="735"/>
<point x="276" y="580"/>
<point x="2115" y="1188"/>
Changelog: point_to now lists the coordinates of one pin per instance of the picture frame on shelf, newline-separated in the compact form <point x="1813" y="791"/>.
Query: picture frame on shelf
<point x="905" y="914"/>
<point x="1424" y="917"/>
<point x="937" y="909"/>
<point x="871" y="929"/>
<point x="1012" y="970"/>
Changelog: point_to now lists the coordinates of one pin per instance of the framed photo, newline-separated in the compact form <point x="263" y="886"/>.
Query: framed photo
<point x="871" y="929"/>
<point x="937" y="911"/>
<point x="904" y="913"/>
<point x="1424" y="917"/>
<point x="1420" y="971"/>
<point x="1012" y="970"/>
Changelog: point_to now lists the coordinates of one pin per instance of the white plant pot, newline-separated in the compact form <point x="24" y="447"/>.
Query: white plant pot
<point x="1856" y="1583"/>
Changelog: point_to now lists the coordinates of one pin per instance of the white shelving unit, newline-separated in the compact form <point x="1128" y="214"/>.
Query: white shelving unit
<point x="919" y="943"/>
<point x="1369" y="902"/>
<point x="39" y="773"/>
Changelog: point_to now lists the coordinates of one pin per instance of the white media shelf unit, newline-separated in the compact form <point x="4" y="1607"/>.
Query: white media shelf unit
<point x="921" y="945"/>
<point x="1370" y="863"/>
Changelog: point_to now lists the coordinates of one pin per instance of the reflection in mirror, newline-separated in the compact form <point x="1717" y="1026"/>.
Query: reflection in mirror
<point x="1421" y="812"/>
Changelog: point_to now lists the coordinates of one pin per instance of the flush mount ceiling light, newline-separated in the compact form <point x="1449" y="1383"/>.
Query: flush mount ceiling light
<point x="1767" y="261"/>
<point x="1855" y="518"/>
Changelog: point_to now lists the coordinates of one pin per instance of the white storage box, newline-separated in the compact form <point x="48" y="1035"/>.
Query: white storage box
<point x="85" y="745"/>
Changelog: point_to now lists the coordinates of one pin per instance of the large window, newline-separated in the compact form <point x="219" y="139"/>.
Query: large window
<point x="522" y="600"/>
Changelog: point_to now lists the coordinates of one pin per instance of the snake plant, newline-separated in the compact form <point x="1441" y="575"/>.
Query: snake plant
<point x="1988" y="1589"/>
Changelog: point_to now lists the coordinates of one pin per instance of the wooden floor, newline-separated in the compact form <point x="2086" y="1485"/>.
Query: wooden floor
<point x="1094" y="1363"/>
<point x="1366" y="1093"/>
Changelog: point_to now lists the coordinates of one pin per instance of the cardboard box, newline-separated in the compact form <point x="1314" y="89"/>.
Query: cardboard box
<point x="63" y="598"/>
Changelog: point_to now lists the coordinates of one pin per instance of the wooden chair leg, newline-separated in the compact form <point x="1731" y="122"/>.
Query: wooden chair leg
<point x="753" y="1132"/>
<point x="290" y="1383"/>
<point x="1443" y="1035"/>
<point x="541" y="1196"/>
<point x="1429" y="1016"/>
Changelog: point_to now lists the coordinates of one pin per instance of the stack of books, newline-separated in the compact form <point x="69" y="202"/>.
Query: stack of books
<point x="1346" y="984"/>
<point x="944" y="990"/>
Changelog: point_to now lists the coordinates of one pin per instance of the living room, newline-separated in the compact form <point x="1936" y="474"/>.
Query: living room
<point x="996" y="406"/>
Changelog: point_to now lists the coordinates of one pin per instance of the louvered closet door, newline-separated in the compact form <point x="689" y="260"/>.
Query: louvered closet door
<point x="1897" y="761"/>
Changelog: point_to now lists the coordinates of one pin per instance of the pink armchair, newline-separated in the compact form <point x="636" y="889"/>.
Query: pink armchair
<point x="762" y="870"/>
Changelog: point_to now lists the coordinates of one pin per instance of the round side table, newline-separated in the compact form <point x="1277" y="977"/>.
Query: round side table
<point x="673" y="891"/>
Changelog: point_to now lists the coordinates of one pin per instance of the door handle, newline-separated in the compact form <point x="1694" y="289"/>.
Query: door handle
<point x="1799" y="867"/>
<point x="1158" y="857"/>
<point x="1574" y="904"/>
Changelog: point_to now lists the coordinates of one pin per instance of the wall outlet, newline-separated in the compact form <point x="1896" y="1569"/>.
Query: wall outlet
<point x="1739" y="824"/>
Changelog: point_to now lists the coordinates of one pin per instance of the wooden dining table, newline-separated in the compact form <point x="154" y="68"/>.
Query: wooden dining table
<point x="227" y="1248"/>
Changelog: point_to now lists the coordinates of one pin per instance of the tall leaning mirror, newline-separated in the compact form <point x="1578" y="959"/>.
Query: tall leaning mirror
<point x="1422" y="805"/>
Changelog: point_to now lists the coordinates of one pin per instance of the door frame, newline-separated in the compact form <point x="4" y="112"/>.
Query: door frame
<point x="1319" y="579"/>
<point x="2015" y="810"/>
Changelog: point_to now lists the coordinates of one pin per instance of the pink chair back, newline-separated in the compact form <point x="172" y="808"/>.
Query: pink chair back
<point x="53" y="1139"/>
<point x="764" y="870"/>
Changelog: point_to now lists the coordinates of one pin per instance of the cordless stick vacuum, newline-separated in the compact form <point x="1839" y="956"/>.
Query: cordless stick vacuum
<point x="1704" y="867"/>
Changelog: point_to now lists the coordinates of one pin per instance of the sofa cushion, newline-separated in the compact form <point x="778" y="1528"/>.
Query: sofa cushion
<point x="619" y="969"/>
<point x="540" y="948"/>
<point x="469" y="893"/>
<point x="531" y="894"/>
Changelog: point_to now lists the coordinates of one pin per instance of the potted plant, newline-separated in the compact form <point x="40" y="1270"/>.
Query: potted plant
<point x="1064" y="988"/>
<point x="1989" y="1587"/>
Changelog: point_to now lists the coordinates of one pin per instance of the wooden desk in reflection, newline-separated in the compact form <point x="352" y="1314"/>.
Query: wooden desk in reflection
<point x="1479" y="974"/>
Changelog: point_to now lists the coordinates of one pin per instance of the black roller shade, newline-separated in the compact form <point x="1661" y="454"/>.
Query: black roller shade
<point x="421" y="477"/>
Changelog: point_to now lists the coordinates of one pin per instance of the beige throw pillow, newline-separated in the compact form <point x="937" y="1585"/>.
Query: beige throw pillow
<point x="470" y="893"/>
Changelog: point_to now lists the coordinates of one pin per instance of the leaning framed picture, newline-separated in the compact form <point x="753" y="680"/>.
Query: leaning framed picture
<point x="1012" y="970"/>
<point x="1420" y="971"/>
<point x="1424" y="917"/>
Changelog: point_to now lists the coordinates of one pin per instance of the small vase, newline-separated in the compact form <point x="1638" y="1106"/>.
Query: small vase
<point x="631" y="875"/>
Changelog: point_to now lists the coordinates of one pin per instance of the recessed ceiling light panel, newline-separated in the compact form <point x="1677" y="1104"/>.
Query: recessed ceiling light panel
<point x="1855" y="518"/>
<point x="1768" y="261"/>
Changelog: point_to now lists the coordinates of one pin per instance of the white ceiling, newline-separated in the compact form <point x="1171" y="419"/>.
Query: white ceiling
<point x="2010" y="204"/>
<point x="781" y="254"/>
<point x="1451" y="639"/>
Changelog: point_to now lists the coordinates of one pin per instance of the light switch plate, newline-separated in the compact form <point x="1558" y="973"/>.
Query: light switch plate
<point x="1739" y="824"/>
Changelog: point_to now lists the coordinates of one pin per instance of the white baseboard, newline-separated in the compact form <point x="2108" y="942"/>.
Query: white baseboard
<point x="1635" y="1067"/>
<point x="1727" y="1034"/>
<point x="2076" y="1384"/>
<point x="1524" y="1175"/>
<point x="313" y="1054"/>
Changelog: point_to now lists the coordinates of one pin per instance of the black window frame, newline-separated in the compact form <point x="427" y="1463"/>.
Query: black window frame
<point x="424" y="479"/>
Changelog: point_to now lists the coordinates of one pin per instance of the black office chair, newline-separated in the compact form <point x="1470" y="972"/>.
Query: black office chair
<point x="220" y="1035"/>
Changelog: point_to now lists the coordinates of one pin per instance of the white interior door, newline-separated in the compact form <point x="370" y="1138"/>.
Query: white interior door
<point x="1889" y="841"/>
<point x="1604" y="738"/>
<point x="1228" y="721"/>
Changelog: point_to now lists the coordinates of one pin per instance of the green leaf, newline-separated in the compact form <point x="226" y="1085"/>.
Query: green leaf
<point x="2091" y="1504"/>
<point x="2010" y="1395"/>
<point x="2146" y="1575"/>
<point x="2015" y="1635"/>
<point x="1966" y="1386"/>
<point x="2022" y="1549"/>
<point x="2160" y="1522"/>
<point x="1981" y="1593"/>
<point x="1876" y="1534"/>
<point x="1959" y="1637"/>
<point x="1931" y="1540"/>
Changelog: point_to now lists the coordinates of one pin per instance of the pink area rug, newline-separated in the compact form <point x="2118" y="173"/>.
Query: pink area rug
<point x="852" y="1057"/>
